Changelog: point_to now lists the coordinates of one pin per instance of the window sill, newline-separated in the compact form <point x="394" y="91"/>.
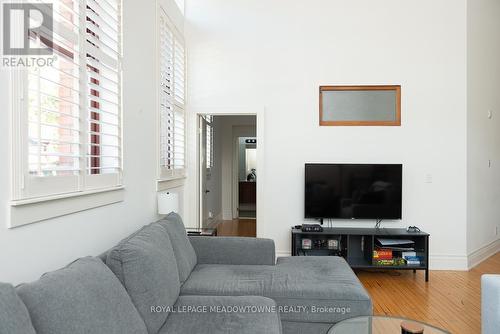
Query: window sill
<point x="169" y="183"/>
<point x="23" y="212"/>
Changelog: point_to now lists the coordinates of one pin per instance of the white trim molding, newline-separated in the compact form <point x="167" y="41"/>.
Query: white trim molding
<point x="23" y="213"/>
<point x="448" y="262"/>
<point x="163" y="185"/>
<point x="282" y="254"/>
<point x="476" y="257"/>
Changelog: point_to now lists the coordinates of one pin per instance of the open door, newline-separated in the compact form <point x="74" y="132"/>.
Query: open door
<point x="204" y="219"/>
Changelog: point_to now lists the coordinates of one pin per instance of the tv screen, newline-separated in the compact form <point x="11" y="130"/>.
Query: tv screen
<point x="353" y="191"/>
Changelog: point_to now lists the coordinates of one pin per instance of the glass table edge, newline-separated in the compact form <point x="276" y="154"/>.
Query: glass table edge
<point x="387" y="317"/>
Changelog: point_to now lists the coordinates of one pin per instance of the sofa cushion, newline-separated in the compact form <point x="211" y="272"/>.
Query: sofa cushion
<point x="84" y="297"/>
<point x="319" y="289"/>
<point x="233" y="250"/>
<point x="223" y="315"/>
<point x="299" y="327"/>
<point x="183" y="250"/>
<point x="14" y="317"/>
<point x="145" y="264"/>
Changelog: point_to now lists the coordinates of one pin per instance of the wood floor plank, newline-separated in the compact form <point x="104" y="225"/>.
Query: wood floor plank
<point x="450" y="300"/>
<point x="237" y="228"/>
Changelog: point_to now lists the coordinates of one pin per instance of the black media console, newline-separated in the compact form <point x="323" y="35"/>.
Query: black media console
<point x="357" y="246"/>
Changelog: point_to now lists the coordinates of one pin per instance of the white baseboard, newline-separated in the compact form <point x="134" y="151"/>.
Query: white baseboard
<point x="448" y="262"/>
<point x="483" y="253"/>
<point x="213" y="222"/>
<point x="283" y="253"/>
<point x="227" y="215"/>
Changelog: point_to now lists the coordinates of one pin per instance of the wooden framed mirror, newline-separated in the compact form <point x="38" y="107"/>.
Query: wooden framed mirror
<point x="360" y="105"/>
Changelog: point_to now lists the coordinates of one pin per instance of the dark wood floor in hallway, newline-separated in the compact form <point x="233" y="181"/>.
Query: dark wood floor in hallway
<point x="450" y="300"/>
<point x="237" y="228"/>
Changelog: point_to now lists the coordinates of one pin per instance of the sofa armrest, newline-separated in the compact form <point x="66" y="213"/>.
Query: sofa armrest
<point x="233" y="250"/>
<point x="490" y="303"/>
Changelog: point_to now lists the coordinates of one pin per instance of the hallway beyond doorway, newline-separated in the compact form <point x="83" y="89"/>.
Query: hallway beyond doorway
<point x="237" y="228"/>
<point x="228" y="168"/>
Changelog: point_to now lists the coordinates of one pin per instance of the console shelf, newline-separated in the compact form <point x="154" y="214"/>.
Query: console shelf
<point x="356" y="245"/>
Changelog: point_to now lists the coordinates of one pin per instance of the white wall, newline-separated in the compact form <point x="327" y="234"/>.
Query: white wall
<point x="483" y="134"/>
<point x="27" y="252"/>
<point x="250" y="55"/>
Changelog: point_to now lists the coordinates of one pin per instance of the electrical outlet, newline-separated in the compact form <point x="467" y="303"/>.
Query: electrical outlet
<point x="210" y="214"/>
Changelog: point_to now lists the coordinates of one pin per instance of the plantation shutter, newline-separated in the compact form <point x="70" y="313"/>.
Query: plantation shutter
<point x="102" y="64"/>
<point x="70" y="113"/>
<point x="179" y="115"/>
<point x="52" y="99"/>
<point x="171" y="100"/>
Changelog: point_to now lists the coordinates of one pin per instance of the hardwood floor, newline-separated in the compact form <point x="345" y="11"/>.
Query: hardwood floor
<point x="450" y="300"/>
<point x="237" y="228"/>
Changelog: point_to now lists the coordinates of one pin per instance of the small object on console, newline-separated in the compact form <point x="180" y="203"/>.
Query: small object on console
<point x="320" y="244"/>
<point x="312" y="228"/>
<point x="413" y="229"/>
<point x="333" y="244"/>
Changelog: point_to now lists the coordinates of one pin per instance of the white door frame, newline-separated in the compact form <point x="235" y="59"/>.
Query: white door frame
<point x="260" y="114"/>
<point x="201" y="166"/>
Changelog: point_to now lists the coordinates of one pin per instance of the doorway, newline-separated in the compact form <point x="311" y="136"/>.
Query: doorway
<point x="246" y="162"/>
<point x="228" y="170"/>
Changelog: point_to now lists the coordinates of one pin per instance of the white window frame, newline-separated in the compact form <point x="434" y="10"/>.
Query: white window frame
<point x="36" y="198"/>
<point x="171" y="172"/>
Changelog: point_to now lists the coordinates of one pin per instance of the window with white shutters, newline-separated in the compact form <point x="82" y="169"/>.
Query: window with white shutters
<point x="172" y="125"/>
<point x="69" y="114"/>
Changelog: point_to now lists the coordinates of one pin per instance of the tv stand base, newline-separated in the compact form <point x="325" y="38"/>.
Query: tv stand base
<point x="356" y="246"/>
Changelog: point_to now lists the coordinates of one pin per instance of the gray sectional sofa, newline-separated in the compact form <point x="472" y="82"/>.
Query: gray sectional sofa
<point x="159" y="281"/>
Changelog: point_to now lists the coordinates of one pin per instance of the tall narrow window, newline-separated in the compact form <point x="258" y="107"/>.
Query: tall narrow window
<point x="69" y="114"/>
<point x="172" y="68"/>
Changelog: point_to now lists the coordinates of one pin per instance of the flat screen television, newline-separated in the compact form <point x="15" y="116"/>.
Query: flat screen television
<point x="353" y="191"/>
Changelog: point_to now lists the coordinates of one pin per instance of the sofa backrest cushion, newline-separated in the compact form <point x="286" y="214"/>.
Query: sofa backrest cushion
<point x="145" y="264"/>
<point x="84" y="297"/>
<point x="183" y="250"/>
<point x="14" y="317"/>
